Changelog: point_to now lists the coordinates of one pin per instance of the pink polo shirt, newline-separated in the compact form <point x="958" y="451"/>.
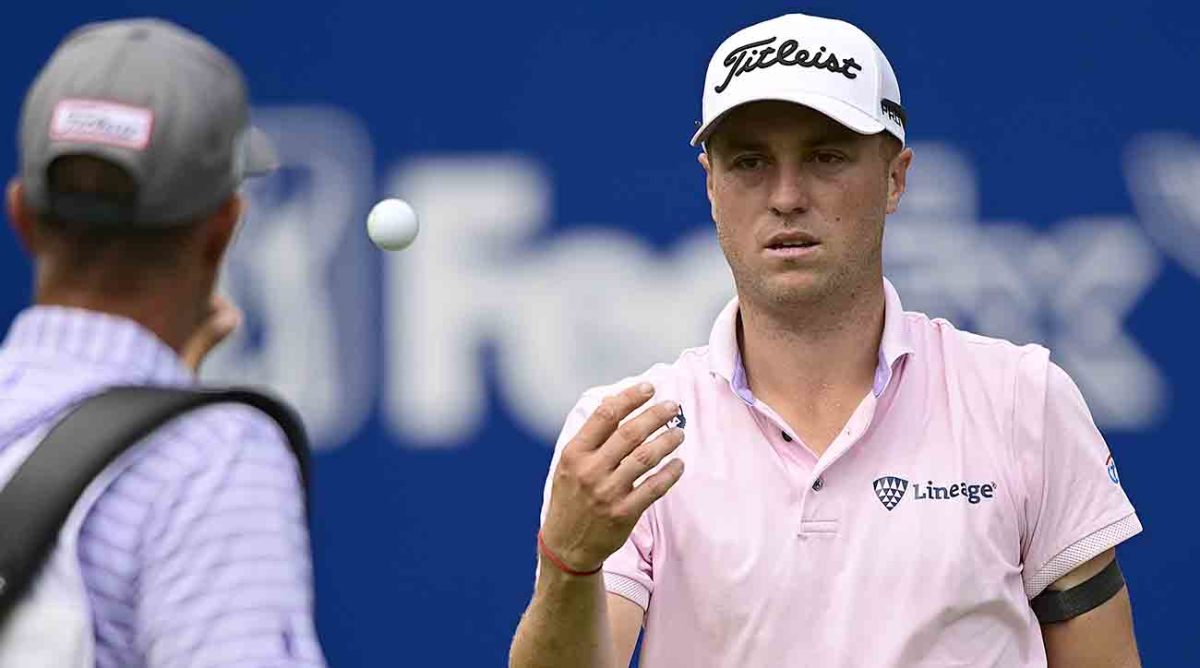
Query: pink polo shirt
<point x="971" y="477"/>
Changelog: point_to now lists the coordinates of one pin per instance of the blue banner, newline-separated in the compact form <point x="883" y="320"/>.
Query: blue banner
<point x="566" y="242"/>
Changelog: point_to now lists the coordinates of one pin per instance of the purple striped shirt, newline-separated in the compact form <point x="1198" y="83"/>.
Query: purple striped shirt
<point x="198" y="554"/>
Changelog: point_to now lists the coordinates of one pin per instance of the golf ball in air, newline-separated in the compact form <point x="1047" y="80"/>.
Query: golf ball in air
<point x="392" y="224"/>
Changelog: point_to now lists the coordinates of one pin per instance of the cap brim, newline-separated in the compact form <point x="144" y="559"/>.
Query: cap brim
<point x="846" y="114"/>
<point x="261" y="157"/>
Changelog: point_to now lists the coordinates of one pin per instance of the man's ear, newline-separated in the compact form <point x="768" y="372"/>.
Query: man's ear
<point x="20" y="218"/>
<point x="706" y="163"/>
<point x="898" y="178"/>
<point x="221" y="228"/>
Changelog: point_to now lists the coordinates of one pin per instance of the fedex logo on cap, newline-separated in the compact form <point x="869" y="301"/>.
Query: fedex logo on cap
<point x="101" y="122"/>
<point x="759" y="55"/>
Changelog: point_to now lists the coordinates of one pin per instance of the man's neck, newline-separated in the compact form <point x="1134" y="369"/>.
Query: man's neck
<point x="813" y="364"/>
<point x="159" y="315"/>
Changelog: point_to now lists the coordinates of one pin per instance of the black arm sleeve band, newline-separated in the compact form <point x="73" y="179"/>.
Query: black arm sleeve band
<point x="1058" y="606"/>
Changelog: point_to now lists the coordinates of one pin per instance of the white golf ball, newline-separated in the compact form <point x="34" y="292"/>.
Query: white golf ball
<point x="392" y="224"/>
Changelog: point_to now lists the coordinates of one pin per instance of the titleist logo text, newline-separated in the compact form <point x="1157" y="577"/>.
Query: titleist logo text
<point x="757" y="56"/>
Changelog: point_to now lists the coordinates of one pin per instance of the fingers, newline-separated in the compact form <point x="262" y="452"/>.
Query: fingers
<point x="653" y="488"/>
<point x="593" y="500"/>
<point x="635" y="431"/>
<point x="222" y="320"/>
<point x="603" y="421"/>
<point x="646" y="457"/>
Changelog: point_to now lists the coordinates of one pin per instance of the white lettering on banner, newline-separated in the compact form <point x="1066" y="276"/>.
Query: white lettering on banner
<point x="448" y="296"/>
<point x="298" y="271"/>
<point x="1163" y="173"/>
<point x="559" y="316"/>
<point x="1070" y="288"/>
<point x="487" y="300"/>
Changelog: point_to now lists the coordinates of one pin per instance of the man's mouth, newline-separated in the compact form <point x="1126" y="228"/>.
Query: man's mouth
<point x="791" y="243"/>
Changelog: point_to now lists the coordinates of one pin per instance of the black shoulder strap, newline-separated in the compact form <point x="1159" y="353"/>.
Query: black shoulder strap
<point x="39" y="497"/>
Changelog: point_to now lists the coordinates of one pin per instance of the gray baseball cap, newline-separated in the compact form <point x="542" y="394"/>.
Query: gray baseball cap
<point x="154" y="99"/>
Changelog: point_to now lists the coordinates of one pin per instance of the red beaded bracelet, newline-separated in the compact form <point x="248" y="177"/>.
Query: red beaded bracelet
<point x="558" y="563"/>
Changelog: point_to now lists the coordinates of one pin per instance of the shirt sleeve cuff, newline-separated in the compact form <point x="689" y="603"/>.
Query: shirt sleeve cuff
<point x="1081" y="551"/>
<point x="627" y="587"/>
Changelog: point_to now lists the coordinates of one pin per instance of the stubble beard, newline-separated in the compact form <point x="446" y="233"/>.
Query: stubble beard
<point x="827" y="291"/>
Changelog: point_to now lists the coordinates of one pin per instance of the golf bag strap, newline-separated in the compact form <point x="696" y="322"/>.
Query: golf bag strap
<point x="39" y="497"/>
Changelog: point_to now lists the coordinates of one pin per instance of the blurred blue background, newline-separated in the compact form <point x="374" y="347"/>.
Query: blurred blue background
<point x="566" y="242"/>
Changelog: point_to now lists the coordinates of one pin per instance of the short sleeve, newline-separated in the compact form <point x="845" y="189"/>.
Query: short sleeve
<point x="1075" y="507"/>
<point x="627" y="572"/>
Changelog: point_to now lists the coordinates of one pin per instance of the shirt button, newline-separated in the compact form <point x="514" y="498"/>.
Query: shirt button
<point x="786" y="436"/>
<point x="818" y="484"/>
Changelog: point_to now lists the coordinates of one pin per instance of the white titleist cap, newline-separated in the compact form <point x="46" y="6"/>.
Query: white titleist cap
<point x="827" y="65"/>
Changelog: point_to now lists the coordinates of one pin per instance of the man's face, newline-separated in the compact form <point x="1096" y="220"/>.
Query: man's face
<point x="799" y="201"/>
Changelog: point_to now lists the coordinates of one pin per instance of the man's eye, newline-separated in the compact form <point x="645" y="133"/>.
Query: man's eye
<point x="827" y="157"/>
<point x="749" y="163"/>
